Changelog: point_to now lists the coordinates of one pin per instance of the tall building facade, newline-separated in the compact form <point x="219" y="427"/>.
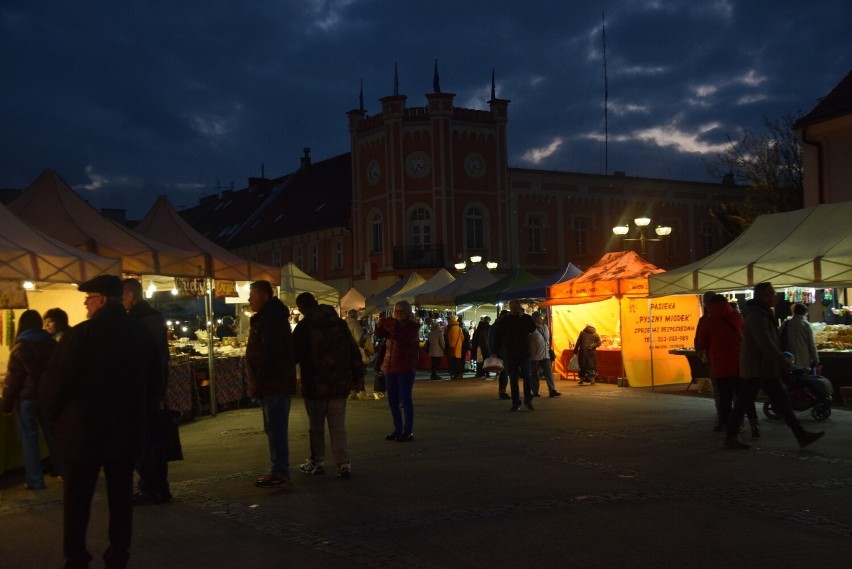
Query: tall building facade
<point x="426" y="187"/>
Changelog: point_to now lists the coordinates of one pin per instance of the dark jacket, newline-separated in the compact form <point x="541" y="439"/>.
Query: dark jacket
<point x="480" y="340"/>
<point x="27" y="361"/>
<point x="156" y="323"/>
<point x="270" y="361"/>
<point x="98" y="382"/>
<point x="327" y="354"/>
<point x="512" y="337"/>
<point x="760" y="352"/>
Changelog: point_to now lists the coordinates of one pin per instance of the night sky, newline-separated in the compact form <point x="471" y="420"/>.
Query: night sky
<point x="131" y="100"/>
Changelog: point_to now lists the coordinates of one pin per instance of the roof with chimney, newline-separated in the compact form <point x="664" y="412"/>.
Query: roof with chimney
<point x="316" y="196"/>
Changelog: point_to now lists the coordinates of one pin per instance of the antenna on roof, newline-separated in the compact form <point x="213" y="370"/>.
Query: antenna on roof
<point x="395" y="80"/>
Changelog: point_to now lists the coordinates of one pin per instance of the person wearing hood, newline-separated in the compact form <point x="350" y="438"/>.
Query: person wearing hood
<point x="399" y="364"/>
<point x="27" y="361"/>
<point x="331" y="367"/>
<point x="720" y="336"/>
<point x="761" y="364"/>
<point x="586" y="350"/>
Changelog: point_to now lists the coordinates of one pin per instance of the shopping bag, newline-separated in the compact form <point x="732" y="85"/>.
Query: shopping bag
<point x="573" y="364"/>
<point x="493" y="363"/>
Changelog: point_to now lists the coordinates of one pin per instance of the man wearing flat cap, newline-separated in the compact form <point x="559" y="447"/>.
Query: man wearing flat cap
<point x="104" y="373"/>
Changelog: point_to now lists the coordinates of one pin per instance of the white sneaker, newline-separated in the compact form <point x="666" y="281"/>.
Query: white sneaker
<point x="311" y="467"/>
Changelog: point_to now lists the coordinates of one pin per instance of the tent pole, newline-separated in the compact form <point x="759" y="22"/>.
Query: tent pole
<point x="211" y="357"/>
<point x="651" y="340"/>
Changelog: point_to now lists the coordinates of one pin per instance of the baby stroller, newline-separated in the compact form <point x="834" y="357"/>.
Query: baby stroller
<point x="806" y="391"/>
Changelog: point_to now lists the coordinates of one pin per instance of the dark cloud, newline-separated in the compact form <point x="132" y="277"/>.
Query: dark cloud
<point x="130" y="102"/>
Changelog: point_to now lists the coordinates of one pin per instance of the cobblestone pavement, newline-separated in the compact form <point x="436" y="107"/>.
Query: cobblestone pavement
<point x="600" y="477"/>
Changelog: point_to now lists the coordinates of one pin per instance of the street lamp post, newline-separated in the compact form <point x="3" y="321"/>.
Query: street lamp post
<point x="642" y="224"/>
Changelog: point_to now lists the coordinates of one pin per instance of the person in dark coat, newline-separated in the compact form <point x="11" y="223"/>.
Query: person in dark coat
<point x="512" y="343"/>
<point x="27" y="361"/>
<point x="502" y="376"/>
<point x="761" y="364"/>
<point x="585" y="349"/>
<point x="160" y="424"/>
<point x="331" y="367"/>
<point x="104" y="373"/>
<point x="271" y="366"/>
<point x="479" y="345"/>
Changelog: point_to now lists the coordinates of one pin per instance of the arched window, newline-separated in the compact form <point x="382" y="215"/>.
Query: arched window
<point x="376" y="241"/>
<point x="421" y="229"/>
<point x="474" y="229"/>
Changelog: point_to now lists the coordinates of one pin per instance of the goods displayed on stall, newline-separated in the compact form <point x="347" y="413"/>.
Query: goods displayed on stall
<point x="832" y="337"/>
<point x="638" y="331"/>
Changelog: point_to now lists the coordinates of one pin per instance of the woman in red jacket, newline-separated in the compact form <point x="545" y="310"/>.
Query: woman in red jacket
<point x="402" y="345"/>
<point x="720" y="336"/>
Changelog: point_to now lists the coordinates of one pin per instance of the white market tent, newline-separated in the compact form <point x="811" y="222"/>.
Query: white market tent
<point x="439" y="280"/>
<point x="810" y="247"/>
<point x="51" y="206"/>
<point x="295" y="281"/>
<point x="476" y="278"/>
<point x="352" y="300"/>
<point x="164" y="223"/>
<point x="380" y="301"/>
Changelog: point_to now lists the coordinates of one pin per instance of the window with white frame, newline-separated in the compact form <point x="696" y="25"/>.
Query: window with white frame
<point x="535" y="232"/>
<point x="474" y="229"/>
<point x="298" y="260"/>
<point x="376" y="241"/>
<point x="314" y="251"/>
<point x="421" y="228"/>
<point x="582" y="233"/>
<point x="337" y="261"/>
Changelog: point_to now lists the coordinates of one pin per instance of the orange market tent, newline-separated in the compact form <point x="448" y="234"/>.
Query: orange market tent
<point x="51" y="206"/>
<point x="613" y="295"/>
<point x="164" y="223"/>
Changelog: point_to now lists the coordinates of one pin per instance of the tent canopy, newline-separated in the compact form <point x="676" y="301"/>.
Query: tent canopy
<point x="622" y="274"/>
<point x="439" y="280"/>
<point x="538" y="289"/>
<point x="51" y="206"/>
<point x="164" y="223"/>
<point x="517" y="279"/>
<point x="807" y="247"/>
<point x="402" y="286"/>
<point x="28" y="254"/>
<point x="476" y="278"/>
<point x="352" y="300"/>
<point x="294" y="281"/>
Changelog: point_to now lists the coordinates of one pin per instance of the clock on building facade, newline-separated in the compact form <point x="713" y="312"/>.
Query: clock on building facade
<point x="418" y="164"/>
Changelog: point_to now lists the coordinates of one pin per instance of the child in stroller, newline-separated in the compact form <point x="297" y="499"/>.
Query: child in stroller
<point x="806" y="391"/>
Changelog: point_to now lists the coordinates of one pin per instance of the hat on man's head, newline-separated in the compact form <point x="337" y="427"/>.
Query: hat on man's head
<point x="107" y="285"/>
